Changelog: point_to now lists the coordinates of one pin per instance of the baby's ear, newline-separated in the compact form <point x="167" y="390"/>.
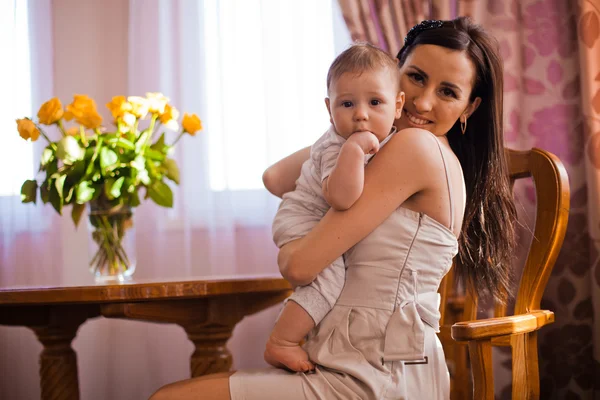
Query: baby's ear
<point x="328" y="109"/>
<point x="399" y="104"/>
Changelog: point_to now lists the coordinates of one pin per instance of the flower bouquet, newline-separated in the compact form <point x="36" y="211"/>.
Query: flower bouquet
<point x="106" y="169"/>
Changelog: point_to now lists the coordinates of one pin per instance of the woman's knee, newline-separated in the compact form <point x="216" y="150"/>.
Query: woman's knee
<point x="164" y="393"/>
<point x="209" y="387"/>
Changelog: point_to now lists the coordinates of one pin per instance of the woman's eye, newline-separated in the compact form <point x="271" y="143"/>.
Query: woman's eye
<point x="347" y="104"/>
<point x="416" y="77"/>
<point x="375" y="102"/>
<point x="448" y="92"/>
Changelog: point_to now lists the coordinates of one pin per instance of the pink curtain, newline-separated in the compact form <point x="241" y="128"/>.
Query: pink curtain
<point x="551" y="51"/>
<point x="384" y="23"/>
<point x="130" y="47"/>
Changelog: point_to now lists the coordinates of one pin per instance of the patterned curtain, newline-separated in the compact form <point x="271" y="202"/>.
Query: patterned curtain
<point x="384" y="23"/>
<point x="551" y="51"/>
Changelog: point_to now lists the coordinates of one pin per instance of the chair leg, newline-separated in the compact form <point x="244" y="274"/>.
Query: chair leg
<point x="480" y="352"/>
<point x="525" y="368"/>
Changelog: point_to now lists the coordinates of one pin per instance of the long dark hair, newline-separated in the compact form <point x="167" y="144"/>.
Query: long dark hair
<point x="487" y="240"/>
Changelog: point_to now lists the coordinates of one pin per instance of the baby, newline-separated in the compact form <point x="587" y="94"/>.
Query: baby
<point x="364" y="99"/>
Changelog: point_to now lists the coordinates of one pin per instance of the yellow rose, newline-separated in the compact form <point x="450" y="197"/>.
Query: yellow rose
<point x="129" y="119"/>
<point x="27" y="129"/>
<point x="139" y="106"/>
<point x="156" y="102"/>
<point x="72" y="131"/>
<point x="169" y="117"/>
<point x="91" y="120"/>
<point x="170" y="113"/>
<point x="83" y="109"/>
<point x="50" y="112"/>
<point x="191" y="124"/>
<point x="118" y="106"/>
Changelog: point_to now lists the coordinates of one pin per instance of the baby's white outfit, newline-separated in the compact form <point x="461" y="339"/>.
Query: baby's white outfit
<point x="302" y="209"/>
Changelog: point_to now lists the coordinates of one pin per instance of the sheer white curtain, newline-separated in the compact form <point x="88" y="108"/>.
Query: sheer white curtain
<point x="254" y="71"/>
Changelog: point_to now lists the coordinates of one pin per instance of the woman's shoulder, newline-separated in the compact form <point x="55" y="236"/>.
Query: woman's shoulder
<point x="414" y="145"/>
<point x="414" y="137"/>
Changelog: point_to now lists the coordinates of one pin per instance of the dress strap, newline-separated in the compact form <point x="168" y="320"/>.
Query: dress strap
<point x="449" y="185"/>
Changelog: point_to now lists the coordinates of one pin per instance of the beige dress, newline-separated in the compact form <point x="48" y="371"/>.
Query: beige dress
<point x="379" y="340"/>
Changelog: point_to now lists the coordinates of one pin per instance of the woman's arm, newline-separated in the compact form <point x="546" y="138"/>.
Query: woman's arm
<point x="281" y="177"/>
<point x="401" y="169"/>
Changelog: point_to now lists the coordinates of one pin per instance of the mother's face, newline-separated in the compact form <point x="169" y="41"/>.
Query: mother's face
<point x="437" y="82"/>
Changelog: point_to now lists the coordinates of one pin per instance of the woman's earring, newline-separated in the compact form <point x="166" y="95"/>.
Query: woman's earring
<point x="463" y="125"/>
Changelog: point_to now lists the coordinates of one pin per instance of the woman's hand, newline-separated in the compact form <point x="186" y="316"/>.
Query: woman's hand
<point x="293" y="275"/>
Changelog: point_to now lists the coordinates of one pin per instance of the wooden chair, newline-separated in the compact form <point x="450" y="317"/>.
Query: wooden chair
<point x="519" y="331"/>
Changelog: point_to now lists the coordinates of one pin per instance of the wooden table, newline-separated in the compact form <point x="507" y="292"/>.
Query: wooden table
<point x="207" y="308"/>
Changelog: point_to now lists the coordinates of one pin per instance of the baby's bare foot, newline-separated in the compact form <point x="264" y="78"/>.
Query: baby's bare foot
<point x="283" y="354"/>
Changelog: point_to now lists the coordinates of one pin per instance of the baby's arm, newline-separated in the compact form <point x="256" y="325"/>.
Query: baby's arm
<point x="281" y="177"/>
<point x="344" y="185"/>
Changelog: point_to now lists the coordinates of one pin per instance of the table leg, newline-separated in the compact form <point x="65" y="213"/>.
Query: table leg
<point x="211" y="354"/>
<point x="58" y="363"/>
<point x="208" y="322"/>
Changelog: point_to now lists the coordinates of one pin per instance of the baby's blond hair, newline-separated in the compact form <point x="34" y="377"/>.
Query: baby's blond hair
<point x="361" y="57"/>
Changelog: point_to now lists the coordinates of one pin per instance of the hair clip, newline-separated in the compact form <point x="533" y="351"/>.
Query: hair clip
<point x="420" y="27"/>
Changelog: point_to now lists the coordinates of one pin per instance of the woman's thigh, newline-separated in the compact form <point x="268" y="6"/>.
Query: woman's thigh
<point x="208" y="387"/>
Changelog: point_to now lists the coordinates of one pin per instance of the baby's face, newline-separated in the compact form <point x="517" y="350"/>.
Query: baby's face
<point x="367" y="101"/>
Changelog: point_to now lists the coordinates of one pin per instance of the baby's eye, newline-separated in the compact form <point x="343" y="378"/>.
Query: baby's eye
<point x="375" y="102"/>
<point x="347" y="104"/>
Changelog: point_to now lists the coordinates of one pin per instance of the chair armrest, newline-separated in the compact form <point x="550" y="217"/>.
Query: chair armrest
<point x="492" y="327"/>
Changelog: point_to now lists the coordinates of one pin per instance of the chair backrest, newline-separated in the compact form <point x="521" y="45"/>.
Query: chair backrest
<point x="552" y="209"/>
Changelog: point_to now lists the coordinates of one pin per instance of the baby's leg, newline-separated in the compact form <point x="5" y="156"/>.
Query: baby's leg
<point x="306" y="308"/>
<point x="283" y="347"/>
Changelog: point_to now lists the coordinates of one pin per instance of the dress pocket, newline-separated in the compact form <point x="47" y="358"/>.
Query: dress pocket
<point x="404" y="334"/>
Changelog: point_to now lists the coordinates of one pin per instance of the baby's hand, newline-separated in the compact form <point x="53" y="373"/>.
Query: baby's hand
<point x="366" y="140"/>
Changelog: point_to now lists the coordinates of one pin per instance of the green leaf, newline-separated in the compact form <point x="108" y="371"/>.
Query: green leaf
<point x="161" y="193"/>
<point x="113" y="187"/>
<point x="108" y="158"/>
<point x="55" y="199"/>
<point x="60" y="184"/>
<point x="45" y="191"/>
<point x="154" y="155"/>
<point x="90" y="167"/>
<point x="76" y="213"/>
<point x="153" y="171"/>
<point x="142" y="140"/>
<point x="52" y="167"/>
<point x="69" y="195"/>
<point x="159" y="144"/>
<point x="29" y="191"/>
<point x="142" y="173"/>
<point x="84" y="192"/>
<point x="134" y="199"/>
<point x="97" y="186"/>
<point x="47" y="156"/>
<point x="172" y="171"/>
<point x="76" y="172"/>
<point x="69" y="150"/>
<point x="139" y="163"/>
<point x="122" y="143"/>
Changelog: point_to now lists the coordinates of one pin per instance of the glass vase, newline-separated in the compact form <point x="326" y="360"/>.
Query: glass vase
<point x="112" y="243"/>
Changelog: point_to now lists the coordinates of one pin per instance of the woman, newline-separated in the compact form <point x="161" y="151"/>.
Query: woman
<point x="417" y="211"/>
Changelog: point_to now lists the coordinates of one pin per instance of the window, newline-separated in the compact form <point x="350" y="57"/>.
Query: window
<point x="16" y="155"/>
<point x="266" y="64"/>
